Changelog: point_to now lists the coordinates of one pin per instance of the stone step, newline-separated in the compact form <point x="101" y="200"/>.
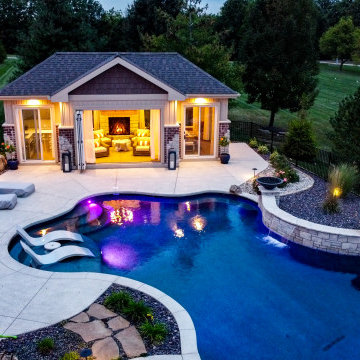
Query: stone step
<point x="105" y="349"/>
<point x="131" y="342"/>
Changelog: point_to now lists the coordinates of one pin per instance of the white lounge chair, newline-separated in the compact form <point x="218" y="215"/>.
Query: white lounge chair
<point x="57" y="255"/>
<point x="57" y="235"/>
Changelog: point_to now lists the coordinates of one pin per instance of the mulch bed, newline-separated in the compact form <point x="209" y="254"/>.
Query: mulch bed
<point x="308" y="205"/>
<point x="25" y="346"/>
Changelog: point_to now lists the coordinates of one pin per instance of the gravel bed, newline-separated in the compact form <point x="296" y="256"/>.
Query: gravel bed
<point x="308" y="205"/>
<point x="65" y="341"/>
<point x="305" y="182"/>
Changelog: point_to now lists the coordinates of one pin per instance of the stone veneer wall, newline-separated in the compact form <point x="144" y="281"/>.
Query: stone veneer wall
<point x="9" y="136"/>
<point x="316" y="236"/>
<point x="224" y="129"/>
<point x="67" y="143"/>
<point x="172" y="140"/>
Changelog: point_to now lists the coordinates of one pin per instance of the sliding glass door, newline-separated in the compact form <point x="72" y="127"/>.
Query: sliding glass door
<point x="199" y="131"/>
<point x="37" y="134"/>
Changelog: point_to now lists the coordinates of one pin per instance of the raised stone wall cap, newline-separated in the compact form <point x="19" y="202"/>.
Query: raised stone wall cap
<point x="266" y="192"/>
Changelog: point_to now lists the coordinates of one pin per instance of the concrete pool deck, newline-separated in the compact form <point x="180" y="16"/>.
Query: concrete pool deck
<point x="31" y="299"/>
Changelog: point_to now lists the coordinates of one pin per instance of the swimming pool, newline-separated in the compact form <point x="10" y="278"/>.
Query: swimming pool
<point x="247" y="295"/>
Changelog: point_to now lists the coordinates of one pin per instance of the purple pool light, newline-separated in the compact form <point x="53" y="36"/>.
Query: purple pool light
<point x="120" y="256"/>
<point x="95" y="212"/>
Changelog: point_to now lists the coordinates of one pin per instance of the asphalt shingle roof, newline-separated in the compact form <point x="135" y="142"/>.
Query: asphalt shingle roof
<point x="62" y="69"/>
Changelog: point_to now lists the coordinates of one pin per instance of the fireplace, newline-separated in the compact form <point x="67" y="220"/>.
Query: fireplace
<point x="119" y="125"/>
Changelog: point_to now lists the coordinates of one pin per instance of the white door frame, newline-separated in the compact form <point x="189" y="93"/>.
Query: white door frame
<point x="20" y="136"/>
<point x="215" y="105"/>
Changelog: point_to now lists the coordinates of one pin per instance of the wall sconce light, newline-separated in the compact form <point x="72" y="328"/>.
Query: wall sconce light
<point x="66" y="161"/>
<point x="172" y="159"/>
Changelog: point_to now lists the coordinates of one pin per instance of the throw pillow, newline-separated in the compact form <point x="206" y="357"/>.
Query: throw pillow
<point x="97" y="143"/>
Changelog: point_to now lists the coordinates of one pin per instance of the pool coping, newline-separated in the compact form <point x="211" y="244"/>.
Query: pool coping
<point x="188" y="339"/>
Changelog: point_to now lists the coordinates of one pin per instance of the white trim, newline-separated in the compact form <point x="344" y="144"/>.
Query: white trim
<point x="225" y="121"/>
<point x="66" y="127"/>
<point x="63" y="95"/>
<point x="172" y="125"/>
<point x="8" y="125"/>
<point x="114" y="97"/>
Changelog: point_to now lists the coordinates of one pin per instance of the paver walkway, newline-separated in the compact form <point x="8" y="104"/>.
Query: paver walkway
<point x="32" y="299"/>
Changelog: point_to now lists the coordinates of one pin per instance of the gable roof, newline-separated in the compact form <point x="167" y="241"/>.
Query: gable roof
<point x="65" y="68"/>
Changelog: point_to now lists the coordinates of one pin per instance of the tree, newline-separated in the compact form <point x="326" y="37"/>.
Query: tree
<point x="2" y="53"/>
<point x="198" y="42"/>
<point x="279" y="54"/>
<point x="148" y="17"/>
<point x="15" y="19"/>
<point x="299" y="143"/>
<point x="61" y="25"/>
<point x="345" y="134"/>
<point x="341" y="41"/>
<point x="230" y="25"/>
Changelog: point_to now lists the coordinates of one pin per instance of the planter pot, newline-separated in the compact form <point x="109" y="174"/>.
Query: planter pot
<point x="269" y="182"/>
<point x="224" y="158"/>
<point x="13" y="164"/>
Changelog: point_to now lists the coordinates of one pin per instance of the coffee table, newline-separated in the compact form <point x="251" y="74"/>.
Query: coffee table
<point x="121" y="145"/>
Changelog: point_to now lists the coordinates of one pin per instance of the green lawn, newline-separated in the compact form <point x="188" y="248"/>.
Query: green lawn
<point x="7" y="69"/>
<point x="333" y="87"/>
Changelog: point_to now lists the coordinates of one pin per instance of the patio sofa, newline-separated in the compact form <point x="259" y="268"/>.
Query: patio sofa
<point x="101" y="148"/>
<point x="100" y="134"/>
<point x="141" y="143"/>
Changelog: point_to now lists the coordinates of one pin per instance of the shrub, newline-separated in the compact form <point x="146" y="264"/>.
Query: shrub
<point x="45" y="346"/>
<point x="137" y="311"/>
<point x="263" y="149"/>
<point x="331" y="205"/>
<point x="156" y="332"/>
<point x="117" y="301"/>
<point x="72" y="355"/>
<point x="253" y="143"/>
<point x="342" y="179"/>
<point x="299" y="143"/>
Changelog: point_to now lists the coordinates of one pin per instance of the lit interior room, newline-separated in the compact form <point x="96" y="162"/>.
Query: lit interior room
<point x="122" y="136"/>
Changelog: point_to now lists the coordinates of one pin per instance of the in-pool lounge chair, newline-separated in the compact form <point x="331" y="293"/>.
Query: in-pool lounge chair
<point x="57" y="235"/>
<point x="20" y="189"/>
<point x="57" y="255"/>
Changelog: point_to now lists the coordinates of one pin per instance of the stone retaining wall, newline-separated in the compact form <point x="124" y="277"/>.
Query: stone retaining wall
<point x="303" y="232"/>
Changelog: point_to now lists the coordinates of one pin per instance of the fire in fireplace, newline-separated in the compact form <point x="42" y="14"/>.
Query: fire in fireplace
<point x="119" y="125"/>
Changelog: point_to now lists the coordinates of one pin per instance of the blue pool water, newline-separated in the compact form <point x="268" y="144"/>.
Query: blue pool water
<point x="249" y="295"/>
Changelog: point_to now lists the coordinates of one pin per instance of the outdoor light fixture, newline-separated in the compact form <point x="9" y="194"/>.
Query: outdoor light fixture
<point x="33" y="102"/>
<point x="66" y="161"/>
<point x="172" y="159"/>
<point x="336" y="192"/>
<point x="200" y="101"/>
<point x="254" y="169"/>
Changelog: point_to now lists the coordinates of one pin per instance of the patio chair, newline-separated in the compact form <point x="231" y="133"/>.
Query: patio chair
<point x="57" y="235"/>
<point x="57" y="255"/>
<point x="19" y="188"/>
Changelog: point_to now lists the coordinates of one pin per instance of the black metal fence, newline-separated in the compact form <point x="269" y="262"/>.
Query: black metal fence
<point x="242" y="131"/>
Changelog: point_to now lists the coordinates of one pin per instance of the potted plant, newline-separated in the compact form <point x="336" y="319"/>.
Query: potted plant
<point x="12" y="162"/>
<point x="224" y="149"/>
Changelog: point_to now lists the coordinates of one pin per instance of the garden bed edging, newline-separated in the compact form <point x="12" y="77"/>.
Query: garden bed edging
<point x="316" y="236"/>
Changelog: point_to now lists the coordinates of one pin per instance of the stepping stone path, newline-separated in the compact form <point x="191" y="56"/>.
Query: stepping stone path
<point x="131" y="342"/>
<point x="89" y="331"/>
<point x="100" y="312"/>
<point x="100" y="324"/>
<point x="105" y="349"/>
<point x="81" y="318"/>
